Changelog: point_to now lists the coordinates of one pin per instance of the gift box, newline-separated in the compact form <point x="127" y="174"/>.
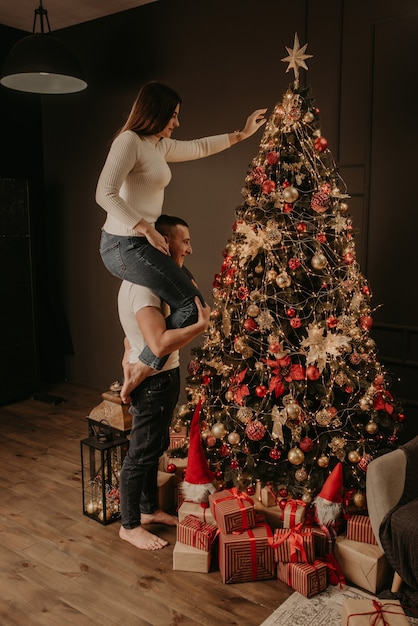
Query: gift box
<point x="246" y="556"/>
<point x="232" y="510"/>
<point x="178" y="437"/>
<point x="193" y="532"/>
<point x="308" y="579"/>
<point x="273" y="515"/>
<point x="293" y="513"/>
<point x="378" y="612"/>
<point x="199" y="510"/>
<point x="324" y="539"/>
<point x="165" y="484"/>
<point x="360" y="529"/>
<point x="293" y="545"/>
<point x="268" y="497"/>
<point x="189" y="559"/>
<point x="363" y="565"/>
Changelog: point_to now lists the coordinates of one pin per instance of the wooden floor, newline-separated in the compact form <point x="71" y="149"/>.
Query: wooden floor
<point x="60" y="567"/>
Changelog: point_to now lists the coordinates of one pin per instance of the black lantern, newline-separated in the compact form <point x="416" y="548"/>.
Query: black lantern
<point x="101" y="462"/>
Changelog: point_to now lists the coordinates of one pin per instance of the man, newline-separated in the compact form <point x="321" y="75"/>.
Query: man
<point x="154" y="399"/>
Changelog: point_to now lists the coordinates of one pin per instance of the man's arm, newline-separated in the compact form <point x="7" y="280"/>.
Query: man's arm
<point x="162" y="340"/>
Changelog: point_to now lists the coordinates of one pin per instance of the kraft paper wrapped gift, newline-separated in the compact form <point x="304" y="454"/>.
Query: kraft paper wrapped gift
<point x="246" y="556"/>
<point x="293" y="513"/>
<point x="180" y="462"/>
<point x="308" y="579"/>
<point x="200" y="511"/>
<point x="193" y="532"/>
<point x="232" y="510"/>
<point x="189" y="559"/>
<point x="363" y="565"/>
<point x="360" y="529"/>
<point x="293" y="545"/>
<point x="178" y="437"/>
<point x="268" y="497"/>
<point x="378" y="612"/>
<point x="165" y="483"/>
<point x="273" y="515"/>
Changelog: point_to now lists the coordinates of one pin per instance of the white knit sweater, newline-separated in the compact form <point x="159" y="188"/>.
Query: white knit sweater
<point x="135" y="174"/>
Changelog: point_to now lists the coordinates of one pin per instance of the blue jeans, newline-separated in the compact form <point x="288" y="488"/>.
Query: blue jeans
<point x="153" y="403"/>
<point x="136" y="260"/>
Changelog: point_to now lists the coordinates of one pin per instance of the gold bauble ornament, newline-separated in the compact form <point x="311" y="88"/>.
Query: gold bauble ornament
<point x="234" y="438"/>
<point x="253" y="310"/>
<point x="290" y="194"/>
<point x="231" y="248"/>
<point x="293" y="411"/>
<point x="323" y="461"/>
<point x="366" y="403"/>
<point x="259" y="269"/>
<point x="354" y="456"/>
<point x="183" y="410"/>
<point x="319" y="261"/>
<point x="92" y="507"/>
<point x="371" y="427"/>
<point x="219" y="430"/>
<point x="307" y="498"/>
<point x="359" y="500"/>
<point x="102" y="515"/>
<point x="308" y="117"/>
<point x="301" y="475"/>
<point x="295" y="456"/>
<point x="343" y="207"/>
<point x="229" y="396"/>
<point x="271" y="275"/>
<point x="283" y="280"/>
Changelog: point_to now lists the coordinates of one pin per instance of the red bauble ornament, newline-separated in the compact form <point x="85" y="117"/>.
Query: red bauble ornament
<point x="296" y="322"/>
<point x="285" y="184"/>
<point x="205" y="379"/>
<point x="250" y="324"/>
<point x="275" y="454"/>
<point x="210" y="441"/>
<point x="272" y="157"/>
<point x="268" y="186"/>
<point x="401" y="418"/>
<point x="283" y="492"/>
<point x="294" y="263"/>
<point x="320" y="202"/>
<point x="301" y="227"/>
<point x="224" y="451"/>
<point x="255" y="430"/>
<point x="234" y="464"/>
<point x="320" y="144"/>
<point x="332" y="321"/>
<point x="321" y="237"/>
<point x="306" y="444"/>
<point x="366" y="322"/>
<point x="349" y="258"/>
<point x="171" y="468"/>
<point x="261" y="391"/>
<point x="312" y="372"/>
<point x="282" y="503"/>
<point x="287" y="207"/>
<point x="291" y="312"/>
<point x="250" y="490"/>
<point x="365" y="290"/>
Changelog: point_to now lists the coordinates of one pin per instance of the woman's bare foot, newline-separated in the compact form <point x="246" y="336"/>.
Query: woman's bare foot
<point x="159" y="517"/>
<point x="141" y="538"/>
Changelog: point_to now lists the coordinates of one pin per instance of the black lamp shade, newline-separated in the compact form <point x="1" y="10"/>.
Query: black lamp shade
<point x="40" y="63"/>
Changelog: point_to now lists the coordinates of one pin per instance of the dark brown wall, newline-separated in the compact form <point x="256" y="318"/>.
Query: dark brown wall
<point x="225" y="60"/>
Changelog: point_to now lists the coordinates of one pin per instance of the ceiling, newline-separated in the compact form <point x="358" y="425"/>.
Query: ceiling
<point x="61" y="13"/>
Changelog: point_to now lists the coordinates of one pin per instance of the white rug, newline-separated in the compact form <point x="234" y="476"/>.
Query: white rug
<point x="323" y="609"/>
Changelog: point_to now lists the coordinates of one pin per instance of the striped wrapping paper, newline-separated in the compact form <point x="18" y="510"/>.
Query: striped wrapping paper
<point x="303" y="577"/>
<point x="360" y="529"/>
<point x="294" y="545"/>
<point x="247" y="555"/>
<point x="232" y="510"/>
<point x="193" y="532"/>
<point x="293" y="513"/>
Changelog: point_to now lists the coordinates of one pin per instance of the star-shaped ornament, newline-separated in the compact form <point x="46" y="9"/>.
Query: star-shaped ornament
<point x="296" y="58"/>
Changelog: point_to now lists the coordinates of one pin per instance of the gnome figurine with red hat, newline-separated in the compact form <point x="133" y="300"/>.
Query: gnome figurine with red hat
<point x="198" y="480"/>
<point x="328" y="503"/>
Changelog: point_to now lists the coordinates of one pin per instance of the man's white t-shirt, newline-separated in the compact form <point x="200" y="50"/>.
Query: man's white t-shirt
<point x="131" y="299"/>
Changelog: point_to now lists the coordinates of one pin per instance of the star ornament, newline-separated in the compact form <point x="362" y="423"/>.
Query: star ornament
<point x="296" y="58"/>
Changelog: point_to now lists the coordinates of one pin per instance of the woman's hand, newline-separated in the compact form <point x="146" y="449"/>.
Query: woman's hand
<point x="153" y="236"/>
<point x="253" y="123"/>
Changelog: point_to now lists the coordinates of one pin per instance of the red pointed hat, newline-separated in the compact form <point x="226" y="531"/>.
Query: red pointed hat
<point x="333" y="486"/>
<point x="198" y="478"/>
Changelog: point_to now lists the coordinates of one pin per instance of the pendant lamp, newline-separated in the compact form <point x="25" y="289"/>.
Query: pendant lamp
<point x="41" y="63"/>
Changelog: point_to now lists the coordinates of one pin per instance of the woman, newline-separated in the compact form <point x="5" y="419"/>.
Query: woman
<point x="131" y="190"/>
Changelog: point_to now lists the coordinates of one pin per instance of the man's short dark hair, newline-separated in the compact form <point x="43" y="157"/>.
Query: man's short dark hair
<point x="166" y="222"/>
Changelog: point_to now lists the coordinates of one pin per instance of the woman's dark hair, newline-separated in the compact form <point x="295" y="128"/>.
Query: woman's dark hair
<point x="152" y="109"/>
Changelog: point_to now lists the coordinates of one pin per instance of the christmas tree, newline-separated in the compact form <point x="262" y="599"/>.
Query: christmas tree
<point x="288" y="372"/>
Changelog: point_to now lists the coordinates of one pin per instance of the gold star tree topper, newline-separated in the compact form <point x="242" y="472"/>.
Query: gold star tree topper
<point x="296" y="58"/>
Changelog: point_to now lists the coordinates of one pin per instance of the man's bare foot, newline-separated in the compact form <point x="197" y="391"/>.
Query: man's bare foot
<point x="133" y="375"/>
<point x="142" y="538"/>
<point x="159" y="517"/>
